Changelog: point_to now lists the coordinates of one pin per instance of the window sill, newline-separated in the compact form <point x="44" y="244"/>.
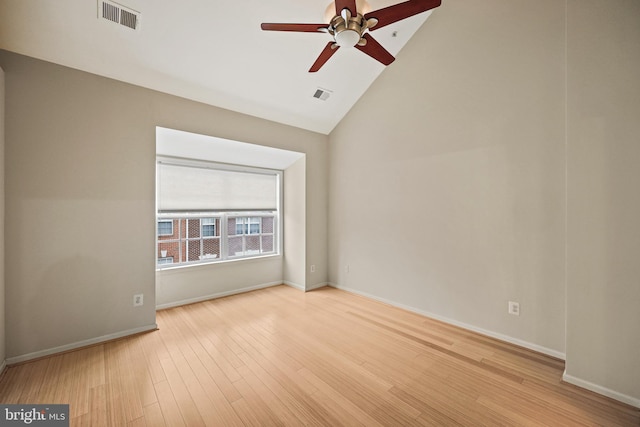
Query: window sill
<point x="169" y="267"/>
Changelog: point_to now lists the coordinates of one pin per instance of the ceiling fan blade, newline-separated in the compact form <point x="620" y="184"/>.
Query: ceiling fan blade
<point x="346" y="4"/>
<point x="400" y="11"/>
<point x="326" y="53"/>
<point x="375" y="50"/>
<point x="300" y="28"/>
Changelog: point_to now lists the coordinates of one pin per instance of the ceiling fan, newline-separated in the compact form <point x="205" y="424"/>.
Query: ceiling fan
<point x="350" y="28"/>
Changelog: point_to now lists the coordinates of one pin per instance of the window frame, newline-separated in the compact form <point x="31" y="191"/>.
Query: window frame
<point x="220" y="228"/>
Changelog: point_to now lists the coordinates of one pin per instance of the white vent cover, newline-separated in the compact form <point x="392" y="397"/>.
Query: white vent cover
<point x="114" y="12"/>
<point x="322" y="94"/>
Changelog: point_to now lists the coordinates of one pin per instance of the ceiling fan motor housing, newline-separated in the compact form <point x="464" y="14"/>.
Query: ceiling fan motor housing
<point x="347" y="32"/>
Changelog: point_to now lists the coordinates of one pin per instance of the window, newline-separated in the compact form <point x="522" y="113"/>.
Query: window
<point x="247" y="225"/>
<point x="212" y="213"/>
<point x="208" y="227"/>
<point x="165" y="228"/>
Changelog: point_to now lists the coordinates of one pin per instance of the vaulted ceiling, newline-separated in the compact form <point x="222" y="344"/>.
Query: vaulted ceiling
<point x="211" y="51"/>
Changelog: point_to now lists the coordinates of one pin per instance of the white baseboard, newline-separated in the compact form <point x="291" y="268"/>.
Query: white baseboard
<point x="303" y="288"/>
<point x="2" y="366"/>
<point x="79" y="344"/>
<point x="601" y="390"/>
<point x="316" y="286"/>
<point x="294" y="285"/>
<point x="501" y="337"/>
<point x="216" y="295"/>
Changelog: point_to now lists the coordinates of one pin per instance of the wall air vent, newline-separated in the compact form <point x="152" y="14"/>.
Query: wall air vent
<point x="322" y="94"/>
<point x="119" y="14"/>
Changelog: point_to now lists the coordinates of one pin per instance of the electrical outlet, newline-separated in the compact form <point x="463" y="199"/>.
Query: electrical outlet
<point x="138" y="300"/>
<point x="514" y="308"/>
<point x="347" y="268"/>
<point x="313" y="268"/>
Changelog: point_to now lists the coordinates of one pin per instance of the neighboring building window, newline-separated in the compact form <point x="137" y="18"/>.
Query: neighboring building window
<point x="253" y="235"/>
<point x="247" y="225"/>
<point x="165" y="228"/>
<point x="208" y="227"/>
<point x="207" y="214"/>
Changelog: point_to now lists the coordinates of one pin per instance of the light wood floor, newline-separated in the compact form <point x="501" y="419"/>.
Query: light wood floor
<point x="279" y="356"/>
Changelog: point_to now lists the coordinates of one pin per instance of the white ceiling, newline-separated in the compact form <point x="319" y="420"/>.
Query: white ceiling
<point x="187" y="145"/>
<point x="212" y="51"/>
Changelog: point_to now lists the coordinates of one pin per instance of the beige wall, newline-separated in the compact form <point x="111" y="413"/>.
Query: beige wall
<point x="316" y="201"/>
<point x="603" y="292"/>
<point x="294" y="220"/>
<point x="80" y="155"/>
<point x="179" y="286"/>
<point x="2" y="298"/>
<point x="447" y="178"/>
<point x="480" y="181"/>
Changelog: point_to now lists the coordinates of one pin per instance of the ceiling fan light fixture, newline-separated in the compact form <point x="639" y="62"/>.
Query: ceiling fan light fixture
<point x="363" y="7"/>
<point x="347" y="38"/>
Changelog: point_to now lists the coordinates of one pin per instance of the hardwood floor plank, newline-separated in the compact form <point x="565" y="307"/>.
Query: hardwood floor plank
<point x="168" y="405"/>
<point x="364" y="389"/>
<point x="154" y="349"/>
<point x="524" y="400"/>
<point x="183" y="398"/>
<point x="76" y="385"/>
<point x="116" y="412"/>
<point x="138" y="422"/>
<point x="339" y="399"/>
<point x="278" y="356"/>
<point x="247" y="414"/>
<point x="408" y="324"/>
<point x="218" y="376"/>
<point x="141" y="374"/>
<point x="217" y="400"/>
<point x="430" y="410"/>
<point x="292" y="396"/>
<point x="10" y="389"/>
<point x="515" y="418"/>
<point x="130" y="388"/>
<point x="31" y="392"/>
<point x="153" y="415"/>
<point x="98" y="406"/>
<point x="280" y="411"/>
<point x="220" y="352"/>
<point x="350" y="341"/>
<point x="278" y="362"/>
<point x="258" y="408"/>
<point x="210" y="402"/>
<point x="577" y="404"/>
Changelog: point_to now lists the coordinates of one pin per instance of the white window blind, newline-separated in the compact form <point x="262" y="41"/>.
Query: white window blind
<point x="188" y="188"/>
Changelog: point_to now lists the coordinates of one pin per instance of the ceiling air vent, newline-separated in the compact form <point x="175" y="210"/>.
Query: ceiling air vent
<point x="119" y="14"/>
<point x="322" y="94"/>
